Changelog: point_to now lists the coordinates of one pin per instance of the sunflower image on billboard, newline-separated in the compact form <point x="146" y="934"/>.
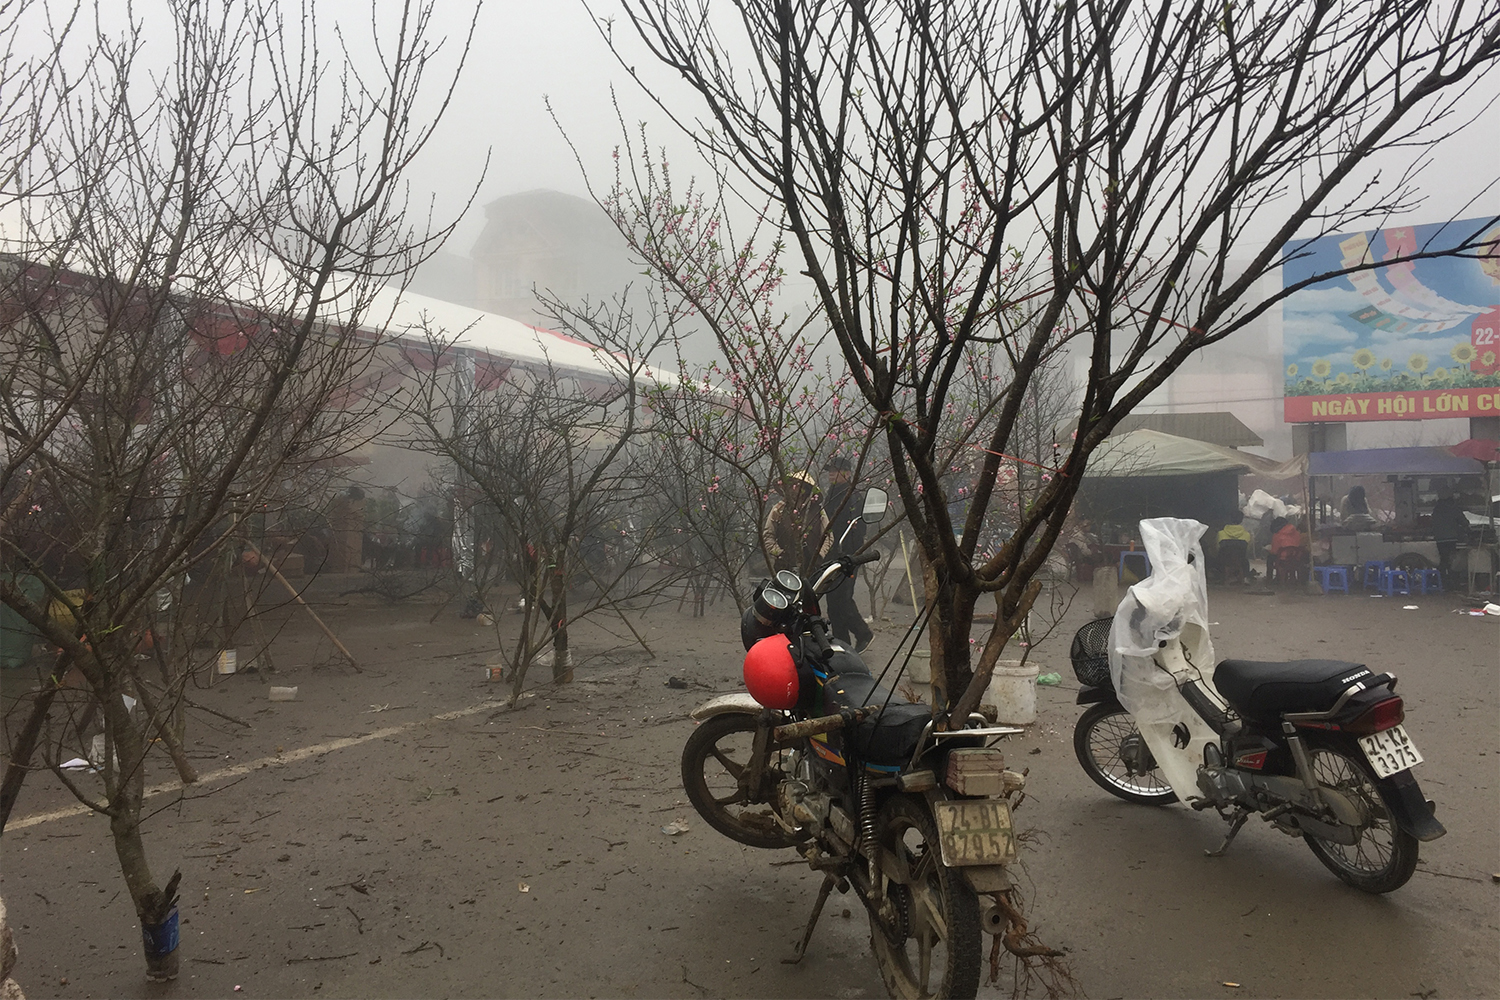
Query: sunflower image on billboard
<point x="1416" y="340"/>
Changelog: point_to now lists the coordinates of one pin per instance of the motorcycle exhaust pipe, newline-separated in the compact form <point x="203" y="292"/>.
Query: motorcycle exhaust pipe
<point x="991" y="919"/>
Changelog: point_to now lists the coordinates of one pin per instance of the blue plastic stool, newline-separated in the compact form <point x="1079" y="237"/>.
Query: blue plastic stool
<point x="1429" y="580"/>
<point x="1372" y="572"/>
<point x="1394" y="581"/>
<point x="1332" y="578"/>
<point x="1145" y="562"/>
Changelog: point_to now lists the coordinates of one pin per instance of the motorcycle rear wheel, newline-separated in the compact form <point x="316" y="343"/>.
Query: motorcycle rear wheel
<point x="939" y="951"/>
<point x="1385" y="856"/>
<point x="1101" y="740"/>
<point x="712" y="761"/>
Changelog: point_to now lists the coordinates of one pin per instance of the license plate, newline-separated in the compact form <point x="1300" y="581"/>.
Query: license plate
<point x="975" y="832"/>
<point x="1390" y="751"/>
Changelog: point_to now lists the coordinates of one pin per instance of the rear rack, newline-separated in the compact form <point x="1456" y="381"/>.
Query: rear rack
<point x="1387" y="680"/>
<point x="987" y="732"/>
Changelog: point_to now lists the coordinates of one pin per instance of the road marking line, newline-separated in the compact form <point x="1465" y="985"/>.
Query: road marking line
<point x="237" y="770"/>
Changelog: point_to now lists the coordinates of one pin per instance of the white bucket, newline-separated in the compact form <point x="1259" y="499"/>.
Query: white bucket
<point x="1106" y="592"/>
<point x="228" y="661"/>
<point x="919" y="667"/>
<point x="1012" y="691"/>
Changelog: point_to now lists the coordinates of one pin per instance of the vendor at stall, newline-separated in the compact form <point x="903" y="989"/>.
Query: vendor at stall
<point x="1233" y="559"/>
<point x="1288" y="551"/>
<point x="1449" y="527"/>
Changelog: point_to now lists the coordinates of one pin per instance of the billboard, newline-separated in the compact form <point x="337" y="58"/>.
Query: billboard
<point x="1412" y="341"/>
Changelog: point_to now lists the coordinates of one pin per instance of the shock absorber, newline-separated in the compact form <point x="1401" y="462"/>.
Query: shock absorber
<point x="867" y="839"/>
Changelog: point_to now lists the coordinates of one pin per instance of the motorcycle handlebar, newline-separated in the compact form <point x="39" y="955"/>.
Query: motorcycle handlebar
<point x="872" y="556"/>
<point x="820" y="637"/>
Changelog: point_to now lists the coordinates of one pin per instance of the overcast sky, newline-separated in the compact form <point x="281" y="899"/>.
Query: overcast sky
<point x="528" y="50"/>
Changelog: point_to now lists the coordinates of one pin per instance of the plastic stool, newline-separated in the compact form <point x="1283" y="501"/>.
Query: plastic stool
<point x="1332" y="578"/>
<point x="1429" y="580"/>
<point x="1371" y="575"/>
<point x="1394" y="581"/>
<point x="1136" y="554"/>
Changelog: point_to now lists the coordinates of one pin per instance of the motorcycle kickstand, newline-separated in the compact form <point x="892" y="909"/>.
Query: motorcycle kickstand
<point x="829" y="881"/>
<point x="1240" y="815"/>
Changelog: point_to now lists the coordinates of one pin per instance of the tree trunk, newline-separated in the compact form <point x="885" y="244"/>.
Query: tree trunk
<point x="154" y="907"/>
<point x="26" y="740"/>
<point x="562" y="661"/>
<point x="948" y="635"/>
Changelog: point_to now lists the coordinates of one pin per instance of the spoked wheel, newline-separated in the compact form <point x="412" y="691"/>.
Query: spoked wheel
<point x="1112" y="752"/>
<point x="713" y="764"/>
<point x="926" y="940"/>
<point x="1385" y="856"/>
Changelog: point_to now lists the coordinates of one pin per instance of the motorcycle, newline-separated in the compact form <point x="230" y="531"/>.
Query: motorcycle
<point x="820" y="757"/>
<point x="1316" y="748"/>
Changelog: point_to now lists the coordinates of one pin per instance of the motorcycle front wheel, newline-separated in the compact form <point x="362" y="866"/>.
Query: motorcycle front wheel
<point x="1385" y="855"/>
<point x="1112" y="752"/>
<point x="713" y="761"/>
<point x="927" y="944"/>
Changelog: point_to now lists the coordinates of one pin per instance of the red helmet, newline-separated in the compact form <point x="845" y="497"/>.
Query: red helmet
<point x="770" y="674"/>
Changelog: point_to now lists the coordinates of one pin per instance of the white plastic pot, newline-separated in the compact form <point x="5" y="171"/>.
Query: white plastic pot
<point x="919" y="668"/>
<point x="1012" y="691"/>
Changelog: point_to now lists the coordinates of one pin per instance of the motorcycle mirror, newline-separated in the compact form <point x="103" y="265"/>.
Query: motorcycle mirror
<point x="874" y="509"/>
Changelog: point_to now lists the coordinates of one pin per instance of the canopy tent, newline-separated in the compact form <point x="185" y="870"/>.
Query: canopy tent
<point x="1392" y="462"/>
<point x="1145" y="473"/>
<point x="1148" y="453"/>
<point x="264" y="288"/>
<point x="1479" y="449"/>
<point x="490" y="337"/>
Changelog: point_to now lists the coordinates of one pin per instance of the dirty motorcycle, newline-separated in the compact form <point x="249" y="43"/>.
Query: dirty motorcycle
<point x="1316" y="748"/>
<point x="820" y="757"/>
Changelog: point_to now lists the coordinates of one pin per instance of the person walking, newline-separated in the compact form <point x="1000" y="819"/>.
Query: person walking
<point x="844" y="617"/>
<point x="795" y="535"/>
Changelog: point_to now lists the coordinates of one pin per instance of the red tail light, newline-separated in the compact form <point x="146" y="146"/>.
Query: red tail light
<point x="1379" y="716"/>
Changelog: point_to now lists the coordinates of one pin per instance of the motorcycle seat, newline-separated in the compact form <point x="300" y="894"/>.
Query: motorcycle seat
<point x="888" y="738"/>
<point x="1262" y="690"/>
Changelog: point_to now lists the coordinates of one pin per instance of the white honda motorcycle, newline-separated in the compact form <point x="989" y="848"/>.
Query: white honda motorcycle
<point x="1314" y="747"/>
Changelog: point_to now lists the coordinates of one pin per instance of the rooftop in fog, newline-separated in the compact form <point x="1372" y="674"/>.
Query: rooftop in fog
<point x="1216" y="427"/>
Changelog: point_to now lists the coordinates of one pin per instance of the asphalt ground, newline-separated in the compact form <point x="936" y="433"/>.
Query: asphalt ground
<point x="399" y="832"/>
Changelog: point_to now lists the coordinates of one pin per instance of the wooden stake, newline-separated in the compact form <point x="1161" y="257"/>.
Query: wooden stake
<point x="306" y="607"/>
<point x="909" y="583"/>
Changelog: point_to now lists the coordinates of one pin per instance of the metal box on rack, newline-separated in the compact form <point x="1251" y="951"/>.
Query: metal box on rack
<point x="977" y="771"/>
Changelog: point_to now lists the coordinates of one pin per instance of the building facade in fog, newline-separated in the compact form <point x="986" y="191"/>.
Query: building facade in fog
<point x="550" y="242"/>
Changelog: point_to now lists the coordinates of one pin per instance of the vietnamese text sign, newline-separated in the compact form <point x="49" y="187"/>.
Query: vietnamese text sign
<point x="1417" y="340"/>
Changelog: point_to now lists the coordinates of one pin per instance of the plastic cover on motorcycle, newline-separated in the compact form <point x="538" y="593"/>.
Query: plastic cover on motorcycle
<point x="1169" y="605"/>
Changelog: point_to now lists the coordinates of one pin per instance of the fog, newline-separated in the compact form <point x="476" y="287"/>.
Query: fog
<point x="526" y="54"/>
<point x="529" y="54"/>
<point x="540" y="105"/>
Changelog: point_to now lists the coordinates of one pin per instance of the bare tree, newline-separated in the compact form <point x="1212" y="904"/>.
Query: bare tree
<point x="772" y="407"/>
<point x="1027" y="175"/>
<point x="555" y="476"/>
<point x="194" y="241"/>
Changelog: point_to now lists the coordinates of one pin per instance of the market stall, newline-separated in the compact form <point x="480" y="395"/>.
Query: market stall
<point x="1146" y="473"/>
<point x="1422" y="507"/>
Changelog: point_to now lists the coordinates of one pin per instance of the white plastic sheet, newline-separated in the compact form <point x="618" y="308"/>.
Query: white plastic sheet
<point x="1160" y="640"/>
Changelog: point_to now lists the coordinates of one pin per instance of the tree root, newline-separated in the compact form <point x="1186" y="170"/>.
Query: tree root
<point x="1036" y="964"/>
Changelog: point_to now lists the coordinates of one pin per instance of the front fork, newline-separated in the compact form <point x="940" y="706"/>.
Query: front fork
<point x="753" y="777"/>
